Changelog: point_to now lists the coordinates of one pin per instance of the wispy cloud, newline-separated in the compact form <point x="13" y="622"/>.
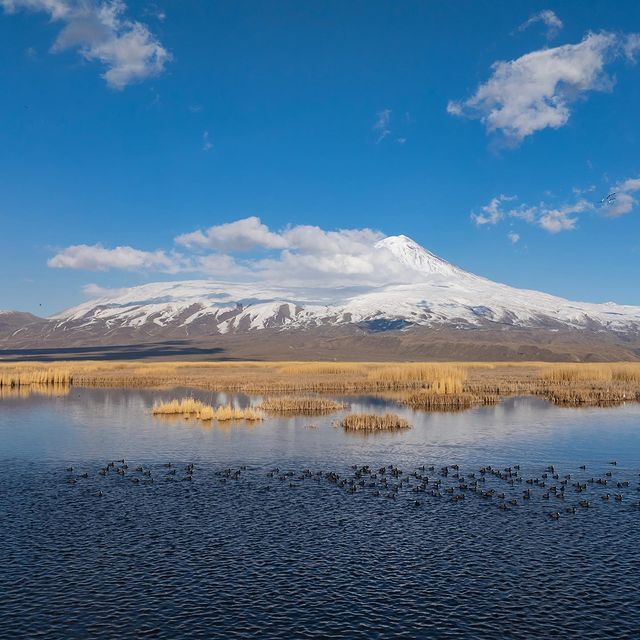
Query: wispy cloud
<point x="513" y="237"/>
<point x="536" y="91"/>
<point x="101" y="32"/>
<point x="492" y="212"/>
<point x="563" y="218"/>
<point x="548" y="18"/>
<point x="92" y="290"/>
<point x="381" y="125"/>
<point x="631" y="46"/>
<point x="548" y="217"/>
<point x="207" y="145"/>
<point x="96" y="257"/>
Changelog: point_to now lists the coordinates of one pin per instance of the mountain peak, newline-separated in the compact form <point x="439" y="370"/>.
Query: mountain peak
<point x="416" y="257"/>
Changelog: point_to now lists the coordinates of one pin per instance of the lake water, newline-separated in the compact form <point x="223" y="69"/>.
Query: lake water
<point x="265" y="541"/>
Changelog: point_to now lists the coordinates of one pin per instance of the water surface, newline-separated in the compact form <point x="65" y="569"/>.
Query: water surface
<point x="243" y="550"/>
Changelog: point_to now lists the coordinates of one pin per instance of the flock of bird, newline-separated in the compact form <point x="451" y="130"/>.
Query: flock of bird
<point x="506" y="487"/>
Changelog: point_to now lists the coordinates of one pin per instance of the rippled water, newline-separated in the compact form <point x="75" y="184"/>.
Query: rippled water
<point x="266" y="541"/>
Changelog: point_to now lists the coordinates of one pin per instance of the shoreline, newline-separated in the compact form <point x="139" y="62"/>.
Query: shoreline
<point x="422" y="386"/>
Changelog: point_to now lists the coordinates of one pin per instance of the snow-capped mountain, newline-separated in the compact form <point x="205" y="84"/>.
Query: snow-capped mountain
<point x="436" y="294"/>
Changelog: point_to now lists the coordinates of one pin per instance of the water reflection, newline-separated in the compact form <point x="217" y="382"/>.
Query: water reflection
<point x="24" y="391"/>
<point x="78" y="423"/>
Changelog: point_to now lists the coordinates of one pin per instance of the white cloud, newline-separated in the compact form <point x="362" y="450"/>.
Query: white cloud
<point x="98" y="258"/>
<point x="625" y="200"/>
<point x="345" y="257"/>
<point x="218" y="264"/>
<point x="381" y="125"/>
<point x="631" y="46"/>
<point x="207" y="145"/>
<point x="57" y="9"/>
<point x="314" y="240"/>
<point x="302" y="255"/>
<point x="560" y="219"/>
<point x="548" y="18"/>
<point x="100" y="32"/>
<point x="92" y="290"/>
<point x="241" y="235"/>
<point x="492" y="212"/>
<point x="513" y="237"/>
<point x="550" y="218"/>
<point x="535" y="91"/>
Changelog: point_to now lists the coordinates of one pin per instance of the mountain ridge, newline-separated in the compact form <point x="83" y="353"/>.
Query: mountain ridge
<point x="432" y="294"/>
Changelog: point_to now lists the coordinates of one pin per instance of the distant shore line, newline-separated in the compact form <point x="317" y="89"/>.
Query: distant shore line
<point x="422" y="386"/>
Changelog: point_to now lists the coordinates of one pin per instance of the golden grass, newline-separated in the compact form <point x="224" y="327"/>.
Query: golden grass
<point x="322" y="368"/>
<point x="194" y="408"/>
<point x="373" y="422"/>
<point x="417" y="384"/>
<point x="34" y="376"/>
<point x="410" y="373"/>
<point x="622" y="372"/>
<point x="300" y="406"/>
<point x="432" y="401"/>
<point x="269" y="378"/>
<point x="184" y="406"/>
<point x="590" y="384"/>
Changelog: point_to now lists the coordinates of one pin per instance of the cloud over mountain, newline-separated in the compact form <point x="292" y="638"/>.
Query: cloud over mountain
<point x="249" y="249"/>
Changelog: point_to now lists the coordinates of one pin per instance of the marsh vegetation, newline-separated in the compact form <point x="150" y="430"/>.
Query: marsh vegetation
<point x="190" y="407"/>
<point x="373" y="422"/>
<point x="300" y="406"/>
<point x="297" y="387"/>
<point x="26" y="376"/>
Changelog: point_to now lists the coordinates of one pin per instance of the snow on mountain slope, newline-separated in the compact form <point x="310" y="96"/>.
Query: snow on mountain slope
<point x="412" y="255"/>
<point x="439" y="294"/>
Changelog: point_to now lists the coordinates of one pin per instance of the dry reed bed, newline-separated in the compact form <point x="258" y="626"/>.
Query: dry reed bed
<point x="190" y="407"/>
<point x="253" y="377"/>
<point x="34" y="376"/>
<point x="373" y="422"/>
<point x="590" y="384"/>
<point x="428" y="401"/>
<point x="300" y="406"/>
<point x="589" y="397"/>
<point x="419" y="384"/>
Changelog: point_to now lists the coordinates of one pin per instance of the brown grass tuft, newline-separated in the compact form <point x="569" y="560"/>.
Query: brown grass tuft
<point x="191" y="407"/>
<point x="429" y="401"/>
<point x="300" y="406"/>
<point x="373" y="422"/>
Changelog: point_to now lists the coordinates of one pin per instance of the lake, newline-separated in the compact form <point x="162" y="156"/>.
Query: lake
<point x="292" y="528"/>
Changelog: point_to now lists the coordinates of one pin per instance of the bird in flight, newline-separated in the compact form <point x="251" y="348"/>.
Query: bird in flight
<point x="609" y="199"/>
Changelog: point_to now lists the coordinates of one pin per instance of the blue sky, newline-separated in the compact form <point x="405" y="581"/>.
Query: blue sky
<point x="487" y="131"/>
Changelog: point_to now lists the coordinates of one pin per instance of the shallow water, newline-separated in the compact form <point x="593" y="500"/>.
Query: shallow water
<point x="242" y="550"/>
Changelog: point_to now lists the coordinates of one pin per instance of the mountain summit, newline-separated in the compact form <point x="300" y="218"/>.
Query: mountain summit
<point x="410" y="254"/>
